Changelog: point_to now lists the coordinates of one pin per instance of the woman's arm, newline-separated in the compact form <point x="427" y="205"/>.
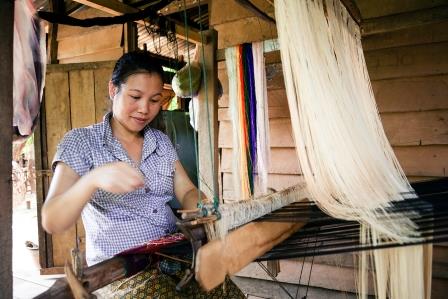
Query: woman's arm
<point x="185" y="191"/>
<point x="69" y="193"/>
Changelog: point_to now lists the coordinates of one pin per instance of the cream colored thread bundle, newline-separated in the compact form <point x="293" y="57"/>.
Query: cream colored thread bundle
<point x="239" y="169"/>
<point x="263" y="144"/>
<point x="348" y="165"/>
<point x="239" y="126"/>
<point x="237" y="214"/>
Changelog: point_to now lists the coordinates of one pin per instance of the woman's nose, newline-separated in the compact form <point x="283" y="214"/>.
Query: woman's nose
<point x="143" y="107"/>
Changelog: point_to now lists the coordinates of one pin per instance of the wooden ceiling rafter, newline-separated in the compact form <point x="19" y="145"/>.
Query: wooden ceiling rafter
<point x="115" y="8"/>
<point x="253" y="8"/>
<point x="350" y="5"/>
<point x="353" y="10"/>
<point x="178" y="6"/>
<point x="404" y="20"/>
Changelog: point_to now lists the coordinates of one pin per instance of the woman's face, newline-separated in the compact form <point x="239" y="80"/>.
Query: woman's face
<point x="138" y="101"/>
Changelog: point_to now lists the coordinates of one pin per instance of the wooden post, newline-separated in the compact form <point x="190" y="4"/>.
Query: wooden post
<point x="130" y="37"/>
<point x="52" y="48"/>
<point x="6" y="102"/>
<point x="130" y="34"/>
<point x="208" y="116"/>
<point x="40" y="146"/>
<point x="42" y="184"/>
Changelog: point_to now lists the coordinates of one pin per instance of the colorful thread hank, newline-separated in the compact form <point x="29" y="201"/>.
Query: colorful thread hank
<point x="244" y="104"/>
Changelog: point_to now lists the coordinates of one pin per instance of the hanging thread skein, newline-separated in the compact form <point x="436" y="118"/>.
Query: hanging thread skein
<point x="249" y="115"/>
<point x="348" y="164"/>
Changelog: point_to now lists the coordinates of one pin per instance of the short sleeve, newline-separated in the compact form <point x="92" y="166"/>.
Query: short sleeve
<point x="73" y="150"/>
<point x="167" y="148"/>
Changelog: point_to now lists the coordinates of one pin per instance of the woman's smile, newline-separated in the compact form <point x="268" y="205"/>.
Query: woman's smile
<point x="139" y="120"/>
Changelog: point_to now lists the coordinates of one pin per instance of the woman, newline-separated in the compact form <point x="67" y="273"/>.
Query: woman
<point x="119" y="176"/>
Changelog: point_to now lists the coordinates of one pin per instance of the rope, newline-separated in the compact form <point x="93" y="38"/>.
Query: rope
<point x="211" y="151"/>
<point x="191" y="92"/>
<point x="275" y="279"/>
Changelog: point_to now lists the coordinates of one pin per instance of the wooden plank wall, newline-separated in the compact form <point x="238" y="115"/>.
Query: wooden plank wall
<point x="90" y="44"/>
<point x="75" y="96"/>
<point x="409" y="74"/>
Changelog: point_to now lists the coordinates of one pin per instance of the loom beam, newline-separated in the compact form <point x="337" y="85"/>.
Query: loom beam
<point x="99" y="275"/>
<point x="222" y="257"/>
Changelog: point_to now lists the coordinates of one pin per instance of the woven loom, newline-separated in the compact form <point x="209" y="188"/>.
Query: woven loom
<point x="321" y="235"/>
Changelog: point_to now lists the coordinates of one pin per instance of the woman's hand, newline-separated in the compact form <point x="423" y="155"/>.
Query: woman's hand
<point x="69" y="193"/>
<point x="117" y="177"/>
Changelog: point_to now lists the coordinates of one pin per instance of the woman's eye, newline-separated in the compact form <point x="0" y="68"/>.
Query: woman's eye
<point x="135" y="97"/>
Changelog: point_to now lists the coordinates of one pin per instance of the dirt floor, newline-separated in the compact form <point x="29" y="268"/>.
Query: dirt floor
<point x="27" y="280"/>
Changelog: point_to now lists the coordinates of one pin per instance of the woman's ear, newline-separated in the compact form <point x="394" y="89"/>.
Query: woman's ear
<point x="112" y="90"/>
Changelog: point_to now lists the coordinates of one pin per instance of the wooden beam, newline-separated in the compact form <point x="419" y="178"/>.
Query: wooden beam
<point x="99" y="275"/>
<point x="254" y="9"/>
<point x="225" y="257"/>
<point x="404" y="20"/>
<point x="6" y="102"/>
<point x="42" y="184"/>
<point x="117" y="8"/>
<point x="130" y="34"/>
<point x="208" y="118"/>
<point x="178" y="6"/>
<point x="56" y="6"/>
<point x="112" y="7"/>
<point x="130" y="37"/>
<point x="352" y="9"/>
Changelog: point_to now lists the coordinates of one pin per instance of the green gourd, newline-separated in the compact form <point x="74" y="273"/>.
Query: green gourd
<point x="181" y="80"/>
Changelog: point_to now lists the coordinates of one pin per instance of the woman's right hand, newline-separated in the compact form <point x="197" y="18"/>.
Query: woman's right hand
<point x="117" y="177"/>
<point x="69" y="193"/>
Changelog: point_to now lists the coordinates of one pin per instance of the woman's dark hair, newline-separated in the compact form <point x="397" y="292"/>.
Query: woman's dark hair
<point x="133" y="63"/>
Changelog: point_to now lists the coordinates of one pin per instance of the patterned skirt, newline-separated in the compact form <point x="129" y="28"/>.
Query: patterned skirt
<point x="153" y="283"/>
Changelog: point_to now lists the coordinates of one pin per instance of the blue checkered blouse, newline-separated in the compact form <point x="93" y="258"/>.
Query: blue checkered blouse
<point x="114" y="222"/>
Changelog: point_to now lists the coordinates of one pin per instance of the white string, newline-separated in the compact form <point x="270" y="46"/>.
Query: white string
<point x="346" y="159"/>
<point x="239" y="165"/>
<point x="349" y="166"/>
<point x="231" y="64"/>
<point x="263" y="144"/>
<point x="239" y="213"/>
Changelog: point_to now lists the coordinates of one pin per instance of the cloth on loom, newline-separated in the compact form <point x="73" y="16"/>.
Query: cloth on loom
<point x="153" y="282"/>
<point x="154" y="245"/>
